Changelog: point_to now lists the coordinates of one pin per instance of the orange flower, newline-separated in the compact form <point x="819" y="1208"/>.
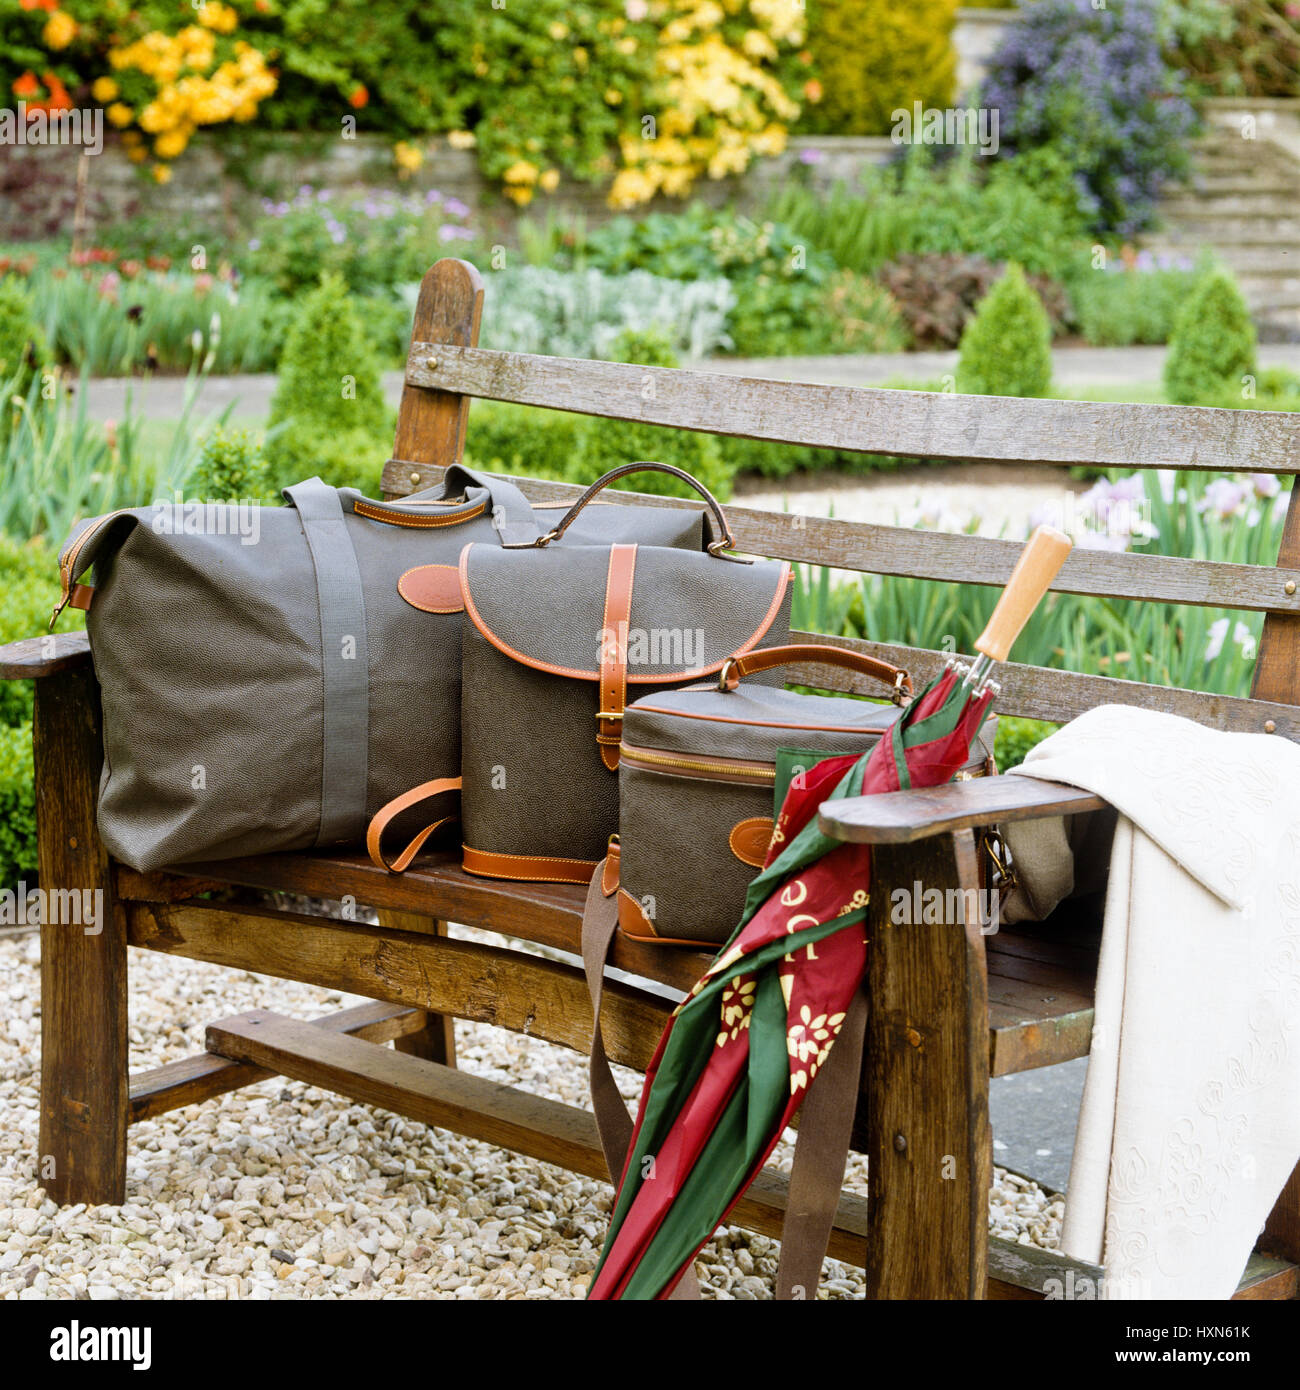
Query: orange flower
<point x="27" y="85"/>
<point x="359" y="98"/>
<point x="49" y="6"/>
<point x="812" y="89"/>
<point x="59" y="100"/>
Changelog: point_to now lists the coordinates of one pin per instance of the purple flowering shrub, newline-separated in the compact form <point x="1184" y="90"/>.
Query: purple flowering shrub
<point x="1094" y="85"/>
<point x="374" y="240"/>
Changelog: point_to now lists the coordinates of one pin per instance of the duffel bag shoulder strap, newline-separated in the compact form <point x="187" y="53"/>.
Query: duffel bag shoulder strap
<point x="345" y="664"/>
<point x="513" y="518"/>
<point x="825" y="1118"/>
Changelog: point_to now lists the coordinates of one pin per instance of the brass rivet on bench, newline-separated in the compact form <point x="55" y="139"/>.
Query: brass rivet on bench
<point x="1289" y="586"/>
<point x="431" y="363"/>
<point x="1270" y="727"/>
<point x="415" y="477"/>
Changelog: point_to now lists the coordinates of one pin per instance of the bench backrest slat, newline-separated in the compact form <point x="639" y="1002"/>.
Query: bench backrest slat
<point x="1037" y="692"/>
<point x="445" y="371"/>
<point x="911" y="424"/>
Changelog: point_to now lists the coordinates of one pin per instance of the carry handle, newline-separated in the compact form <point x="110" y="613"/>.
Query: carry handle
<point x="765" y="658"/>
<point x="716" y="547"/>
<point x="1038" y="565"/>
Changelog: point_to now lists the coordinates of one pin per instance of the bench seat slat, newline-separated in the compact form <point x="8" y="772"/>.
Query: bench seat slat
<point x="1032" y="1022"/>
<point x="870" y="420"/>
<point x="940" y="555"/>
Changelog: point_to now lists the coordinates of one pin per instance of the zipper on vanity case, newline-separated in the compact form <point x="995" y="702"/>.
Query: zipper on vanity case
<point x="710" y="769"/>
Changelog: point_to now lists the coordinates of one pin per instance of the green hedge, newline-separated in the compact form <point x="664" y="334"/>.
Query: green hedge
<point x="17" y="806"/>
<point x="28" y="580"/>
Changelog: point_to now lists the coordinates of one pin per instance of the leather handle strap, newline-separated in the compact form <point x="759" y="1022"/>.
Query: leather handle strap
<point x="386" y="814"/>
<point x="766" y="658"/>
<point x="723" y="541"/>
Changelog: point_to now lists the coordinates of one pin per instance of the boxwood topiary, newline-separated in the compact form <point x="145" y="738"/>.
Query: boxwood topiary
<point x="329" y="403"/>
<point x="604" y="444"/>
<point x="1006" y="348"/>
<point x="1213" y="342"/>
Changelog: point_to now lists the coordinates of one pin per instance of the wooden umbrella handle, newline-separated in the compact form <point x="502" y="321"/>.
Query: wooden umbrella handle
<point x="1039" y="563"/>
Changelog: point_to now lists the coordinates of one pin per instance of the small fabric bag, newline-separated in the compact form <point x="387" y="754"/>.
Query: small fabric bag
<point x="702" y="770"/>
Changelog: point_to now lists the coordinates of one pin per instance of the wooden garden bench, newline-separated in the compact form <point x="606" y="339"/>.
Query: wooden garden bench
<point x="950" y="1008"/>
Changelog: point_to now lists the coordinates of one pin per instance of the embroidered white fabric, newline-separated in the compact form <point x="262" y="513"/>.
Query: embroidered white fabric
<point x="1190" y="1123"/>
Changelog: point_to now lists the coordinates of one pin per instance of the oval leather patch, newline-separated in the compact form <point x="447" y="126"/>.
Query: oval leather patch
<point x="750" y="838"/>
<point x="432" y="588"/>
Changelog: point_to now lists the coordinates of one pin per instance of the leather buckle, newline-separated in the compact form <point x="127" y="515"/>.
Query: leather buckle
<point x="540" y="543"/>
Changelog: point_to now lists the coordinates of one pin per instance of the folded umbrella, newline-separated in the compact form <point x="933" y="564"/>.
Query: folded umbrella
<point x="739" y="1053"/>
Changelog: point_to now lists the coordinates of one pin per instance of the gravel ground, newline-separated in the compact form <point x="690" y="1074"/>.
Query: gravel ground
<point x="285" y="1191"/>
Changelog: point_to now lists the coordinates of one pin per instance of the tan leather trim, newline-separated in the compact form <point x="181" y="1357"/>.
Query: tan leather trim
<point x="527" y="868"/>
<point x="609" y="875"/>
<point x="81" y="597"/>
<point x="636" y="926"/>
<point x="613" y="651"/>
<point x="750" y="838"/>
<point x="539" y="665"/>
<point x="432" y="588"/>
<point x="424" y="522"/>
<point x="384" y="817"/>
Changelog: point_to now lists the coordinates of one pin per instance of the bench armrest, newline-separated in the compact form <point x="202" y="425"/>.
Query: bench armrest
<point x="895" y="818"/>
<point x="43" y="656"/>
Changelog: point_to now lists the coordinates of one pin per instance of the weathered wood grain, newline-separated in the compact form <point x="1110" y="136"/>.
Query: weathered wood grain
<point x="926" y="1084"/>
<point x="549" y="914"/>
<point x="462" y="979"/>
<point x="191" y="1080"/>
<point x="962" y="559"/>
<point x="895" y="818"/>
<point x="83" y="1125"/>
<point x="34" y="657"/>
<point x="913" y="424"/>
<point x="1022" y="1033"/>
<point x="431" y="423"/>
<point x="435" y="1039"/>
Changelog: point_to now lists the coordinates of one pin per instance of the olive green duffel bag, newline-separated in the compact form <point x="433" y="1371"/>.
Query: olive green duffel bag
<point x="271" y="676"/>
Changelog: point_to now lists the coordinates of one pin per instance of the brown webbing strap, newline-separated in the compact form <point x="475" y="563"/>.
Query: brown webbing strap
<point x="613" y="1123"/>
<point x="825" y="1118"/>
<point x="820" y="1156"/>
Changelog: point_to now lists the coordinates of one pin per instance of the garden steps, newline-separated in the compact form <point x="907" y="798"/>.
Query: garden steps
<point x="1243" y="204"/>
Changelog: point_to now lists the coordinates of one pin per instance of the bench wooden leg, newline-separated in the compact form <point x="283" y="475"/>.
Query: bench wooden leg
<point x="926" y="1081"/>
<point x="436" y="1039"/>
<point x="83" y="956"/>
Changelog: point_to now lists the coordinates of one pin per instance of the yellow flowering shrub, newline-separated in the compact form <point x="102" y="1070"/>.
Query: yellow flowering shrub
<point x="877" y="56"/>
<point x="652" y="95"/>
<point x="171" y="84"/>
<point x="723" y="68"/>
